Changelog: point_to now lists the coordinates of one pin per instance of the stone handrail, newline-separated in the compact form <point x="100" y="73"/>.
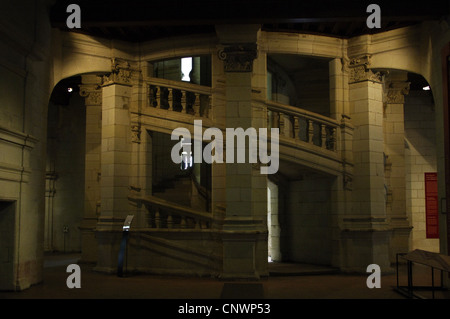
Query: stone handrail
<point x="162" y="214"/>
<point x="303" y="125"/>
<point x="179" y="96"/>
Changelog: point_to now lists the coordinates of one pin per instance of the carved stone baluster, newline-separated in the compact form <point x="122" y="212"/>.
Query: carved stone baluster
<point x="310" y="131"/>
<point x="197" y="104"/>
<point x="170" y="99"/>
<point x="197" y="224"/>
<point x="281" y="123"/>
<point x="157" y="219"/>
<point x="158" y="96"/>
<point x="323" y="133"/>
<point x="183" y="101"/>
<point x="333" y="139"/>
<point x="183" y="222"/>
<point x="276" y="119"/>
<point x="170" y="221"/>
<point x="150" y="94"/>
<point x="296" y="128"/>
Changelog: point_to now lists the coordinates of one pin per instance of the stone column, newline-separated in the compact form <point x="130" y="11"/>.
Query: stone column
<point x="115" y="164"/>
<point x="365" y="236"/>
<point x="244" y="234"/>
<point x="90" y="89"/>
<point x="396" y="87"/>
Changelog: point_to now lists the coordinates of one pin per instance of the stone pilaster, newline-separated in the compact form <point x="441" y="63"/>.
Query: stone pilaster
<point x="366" y="235"/>
<point x="116" y="143"/>
<point x="244" y="227"/>
<point x="396" y="87"/>
<point x="90" y="89"/>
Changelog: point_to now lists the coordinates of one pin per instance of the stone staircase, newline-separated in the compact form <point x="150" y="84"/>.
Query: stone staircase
<point x="176" y="190"/>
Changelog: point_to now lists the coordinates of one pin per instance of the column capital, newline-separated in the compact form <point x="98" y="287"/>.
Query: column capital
<point x="91" y="93"/>
<point x="121" y="73"/>
<point x="395" y="91"/>
<point x="238" y="57"/>
<point x="360" y="70"/>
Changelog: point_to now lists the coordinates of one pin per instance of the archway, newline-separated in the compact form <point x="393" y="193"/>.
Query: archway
<point x="65" y="167"/>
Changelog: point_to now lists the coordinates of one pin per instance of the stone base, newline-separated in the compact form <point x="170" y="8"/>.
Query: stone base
<point x="360" y="248"/>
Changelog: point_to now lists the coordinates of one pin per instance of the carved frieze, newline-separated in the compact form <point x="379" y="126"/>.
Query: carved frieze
<point x="348" y="182"/>
<point x="121" y="73"/>
<point x="136" y="134"/>
<point x="92" y="94"/>
<point x="396" y="91"/>
<point x="238" y="58"/>
<point x="359" y="70"/>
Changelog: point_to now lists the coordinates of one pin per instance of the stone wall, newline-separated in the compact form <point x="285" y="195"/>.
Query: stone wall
<point x="25" y="41"/>
<point x="308" y="220"/>
<point x="66" y="162"/>
<point x="420" y="158"/>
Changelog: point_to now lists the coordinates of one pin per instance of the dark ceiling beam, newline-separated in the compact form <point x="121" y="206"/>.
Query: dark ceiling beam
<point x="101" y="13"/>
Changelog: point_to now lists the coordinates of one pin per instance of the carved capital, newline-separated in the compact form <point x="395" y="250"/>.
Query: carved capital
<point x="136" y="134"/>
<point x="396" y="91"/>
<point x="359" y="70"/>
<point x="238" y="58"/>
<point x="91" y="93"/>
<point x="121" y="73"/>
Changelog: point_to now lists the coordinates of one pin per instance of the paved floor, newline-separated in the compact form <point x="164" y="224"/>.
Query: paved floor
<point x="288" y="281"/>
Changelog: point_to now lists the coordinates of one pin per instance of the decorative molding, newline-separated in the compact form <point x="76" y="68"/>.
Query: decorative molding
<point x="91" y="93"/>
<point x="136" y="134"/>
<point x="16" y="137"/>
<point x="348" y="182"/>
<point x="359" y="69"/>
<point x="396" y="91"/>
<point x="238" y="58"/>
<point x="121" y="73"/>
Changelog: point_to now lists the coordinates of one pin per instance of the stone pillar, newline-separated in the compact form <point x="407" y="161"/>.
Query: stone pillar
<point x="90" y="89"/>
<point x="396" y="88"/>
<point x="341" y="193"/>
<point x="245" y="224"/>
<point x="365" y="236"/>
<point x="115" y="164"/>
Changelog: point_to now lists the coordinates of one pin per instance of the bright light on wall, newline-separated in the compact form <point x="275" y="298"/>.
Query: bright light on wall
<point x="426" y="88"/>
<point x="186" y="68"/>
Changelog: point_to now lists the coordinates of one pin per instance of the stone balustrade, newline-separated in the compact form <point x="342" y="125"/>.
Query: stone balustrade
<point x="162" y="214"/>
<point x="179" y="96"/>
<point x="303" y="125"/>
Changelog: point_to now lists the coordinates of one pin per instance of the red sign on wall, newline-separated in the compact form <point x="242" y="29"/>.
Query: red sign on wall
<point x="431" y="205"/>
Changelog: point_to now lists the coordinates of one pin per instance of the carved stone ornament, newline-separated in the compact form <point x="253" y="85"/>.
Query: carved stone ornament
<point x="396" y="91"/>
<point x="359" y="70"/>
<point x="136" y="134"/>
<point x="92" y="94"/>
<point x="348" y="182"/>
<point x="121" y="73"/>
<point x="238" y="58"/>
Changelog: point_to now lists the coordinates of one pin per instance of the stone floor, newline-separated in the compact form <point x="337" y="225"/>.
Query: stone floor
<point x="287" y="281"/>
<point x="291" y="289"/>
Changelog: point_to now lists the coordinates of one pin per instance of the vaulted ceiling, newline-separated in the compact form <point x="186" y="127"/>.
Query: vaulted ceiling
<point x="138" y="20"/>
